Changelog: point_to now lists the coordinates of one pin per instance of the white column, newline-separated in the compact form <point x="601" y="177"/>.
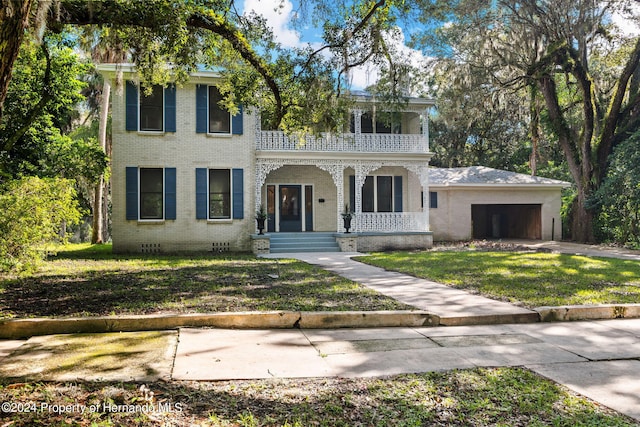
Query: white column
<point x="425" y="126"/>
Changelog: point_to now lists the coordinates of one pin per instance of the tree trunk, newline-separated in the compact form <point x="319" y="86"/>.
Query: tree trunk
<point x="98" y="222"/>
<point x="14" y="19"/>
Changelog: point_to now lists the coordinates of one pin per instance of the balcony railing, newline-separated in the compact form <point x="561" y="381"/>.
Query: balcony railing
<point x="347" y="142"/>
<point x="390" y="222"/>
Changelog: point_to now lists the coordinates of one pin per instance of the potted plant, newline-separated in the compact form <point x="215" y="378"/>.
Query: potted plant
<point x="261" y="217"/>
<point x="347" y="215"/>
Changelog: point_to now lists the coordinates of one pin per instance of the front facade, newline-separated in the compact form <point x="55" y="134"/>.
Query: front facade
<point x="189" y="176"/>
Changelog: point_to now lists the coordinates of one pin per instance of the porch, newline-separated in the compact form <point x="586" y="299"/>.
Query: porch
<point x="303" y="197"/>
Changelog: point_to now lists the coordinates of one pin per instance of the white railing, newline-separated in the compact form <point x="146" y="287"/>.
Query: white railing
<point x="347" y="142"/>
<point x="390" y="222"/>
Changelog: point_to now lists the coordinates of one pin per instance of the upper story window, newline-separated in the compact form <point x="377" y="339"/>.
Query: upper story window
<point x="213" y="119"/>
<point x="153" y="112"/>
<point x="152" y="109"/>
<point x="219" y="119"/>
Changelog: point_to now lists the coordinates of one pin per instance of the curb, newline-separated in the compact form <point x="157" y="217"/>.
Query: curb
<point x="588" y="312"/>
<point x="24" y="328"/>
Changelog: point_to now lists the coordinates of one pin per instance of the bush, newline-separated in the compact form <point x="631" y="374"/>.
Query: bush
<point x="34" y="211"/>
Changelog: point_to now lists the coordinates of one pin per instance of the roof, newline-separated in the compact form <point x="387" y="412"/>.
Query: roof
<point x="481" y="175"/>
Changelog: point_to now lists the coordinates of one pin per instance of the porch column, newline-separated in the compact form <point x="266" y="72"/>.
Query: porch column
<point x="422" y="171"/>
<point x="362" y="170"/>
<point x="424" y="118"/>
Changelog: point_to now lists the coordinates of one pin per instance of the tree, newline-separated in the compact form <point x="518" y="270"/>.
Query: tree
<point x="43" y="98"/>
<point x="557" y="49"/>
<point x="618" y="198"/>
<point x="256" y="70"/>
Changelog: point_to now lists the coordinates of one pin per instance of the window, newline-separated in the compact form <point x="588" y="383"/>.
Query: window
<point x="153" y="112"/>
<point x="213" y="119"/>
<point x="219" y="194"/>
<point x="150" y="193"/>
<point x="433" y="199"/>
<point x="219" y="119"/>
<point x="151" y="109"/>
<point x="385" y="194"/>
<point x="380" y="193"/>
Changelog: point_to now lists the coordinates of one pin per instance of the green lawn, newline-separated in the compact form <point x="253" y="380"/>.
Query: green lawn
<point x="530" y="279"/>
<point x="84" y="280"/>
<point x="475" y="397"/>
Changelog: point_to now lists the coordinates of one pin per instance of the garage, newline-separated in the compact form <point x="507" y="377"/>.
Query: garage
<point x="515" y="221"/>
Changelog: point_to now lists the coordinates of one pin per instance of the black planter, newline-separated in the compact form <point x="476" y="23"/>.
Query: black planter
<point x="261" y="222"/>
<point x="347" y="223"/>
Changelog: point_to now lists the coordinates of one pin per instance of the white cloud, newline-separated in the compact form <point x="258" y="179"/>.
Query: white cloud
<point x="629" y="25"/>
<point x="278" y="15"/>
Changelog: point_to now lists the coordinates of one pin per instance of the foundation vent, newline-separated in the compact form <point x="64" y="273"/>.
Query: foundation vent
<point x="150" y="248"/>
<point x="218" y="247"/>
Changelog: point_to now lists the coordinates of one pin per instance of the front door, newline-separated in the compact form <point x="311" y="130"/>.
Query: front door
<point x="290" y="208"/>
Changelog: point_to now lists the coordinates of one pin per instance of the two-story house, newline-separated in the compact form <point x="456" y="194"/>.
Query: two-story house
<point x="188" y="175"/>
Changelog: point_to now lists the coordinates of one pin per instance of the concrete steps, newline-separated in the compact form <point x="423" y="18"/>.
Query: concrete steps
<point x="303" y="242"/>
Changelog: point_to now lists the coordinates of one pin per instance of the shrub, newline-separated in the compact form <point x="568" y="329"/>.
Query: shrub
<point x="34" y="211"/>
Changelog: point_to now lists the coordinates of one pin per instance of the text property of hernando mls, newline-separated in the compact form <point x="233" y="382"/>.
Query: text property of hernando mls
<point x="105" y="407"/>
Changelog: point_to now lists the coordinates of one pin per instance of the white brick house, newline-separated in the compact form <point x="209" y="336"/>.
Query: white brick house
<point x="188" y="176"/>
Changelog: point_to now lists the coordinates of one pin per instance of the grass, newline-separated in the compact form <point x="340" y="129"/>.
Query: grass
<point x="483" y="396"/>
<point x="85" y="280"/>
<point x="524" y="278"/>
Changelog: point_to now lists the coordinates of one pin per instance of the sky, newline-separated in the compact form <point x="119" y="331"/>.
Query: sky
<point x="279" y="20"/>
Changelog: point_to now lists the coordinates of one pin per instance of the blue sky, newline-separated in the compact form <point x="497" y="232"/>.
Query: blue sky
<point x="279" y="19"/>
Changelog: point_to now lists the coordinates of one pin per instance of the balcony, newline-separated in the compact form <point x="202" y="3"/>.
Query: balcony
<point x="346" y="142"/>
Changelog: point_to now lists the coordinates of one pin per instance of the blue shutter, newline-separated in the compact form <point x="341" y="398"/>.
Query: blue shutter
<point x="238" y="193"/>
<point x="202" y="95"/>
<point x="352" y="193"/>
<point x="397" y="194"/>
<point x="131" y="101"/>
<point x="131" y="185"/>
<point x="170" y="108"/>
<point x="170" y="193"/>
<point x="201" y="193"/>
<point x="237" y="122"/>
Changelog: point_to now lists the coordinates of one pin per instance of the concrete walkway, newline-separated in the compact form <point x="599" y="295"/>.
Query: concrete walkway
<point x="580" y="249"/>
<point x="453" y="306"/>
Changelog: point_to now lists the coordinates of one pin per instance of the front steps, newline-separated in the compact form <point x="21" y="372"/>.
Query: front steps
<point x="303" y="242"/>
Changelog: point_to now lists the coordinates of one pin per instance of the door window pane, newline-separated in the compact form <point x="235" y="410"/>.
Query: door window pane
<point x="151" y="109"/>
<point x="151" y="193"/>
<point x="219" y="193"/>
<point x="219" y="119"/>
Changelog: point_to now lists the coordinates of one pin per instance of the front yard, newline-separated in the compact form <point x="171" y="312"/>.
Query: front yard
<point x="82" y="280"/>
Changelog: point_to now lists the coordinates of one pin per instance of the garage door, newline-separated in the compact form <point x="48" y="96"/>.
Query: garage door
<point x="506" y="221"/>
